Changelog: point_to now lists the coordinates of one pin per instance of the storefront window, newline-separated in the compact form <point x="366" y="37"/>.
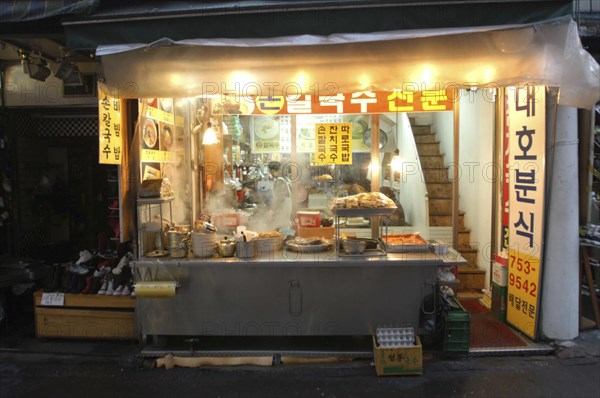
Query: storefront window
<point x="226" y="163"/>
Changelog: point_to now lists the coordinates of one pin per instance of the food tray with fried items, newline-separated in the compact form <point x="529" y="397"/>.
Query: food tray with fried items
<point x="363" y="204"/>
<point x="406" y="243"/>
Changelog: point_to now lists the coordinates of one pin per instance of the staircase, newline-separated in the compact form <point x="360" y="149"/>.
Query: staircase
<point x="439" y="187"/>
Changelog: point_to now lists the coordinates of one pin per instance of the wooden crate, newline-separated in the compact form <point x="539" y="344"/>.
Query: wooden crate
<point x="87" y="316"/>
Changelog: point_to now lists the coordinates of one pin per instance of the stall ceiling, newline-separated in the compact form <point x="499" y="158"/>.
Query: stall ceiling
<point x="140" y="22"/>
<point x="548" y="53"/>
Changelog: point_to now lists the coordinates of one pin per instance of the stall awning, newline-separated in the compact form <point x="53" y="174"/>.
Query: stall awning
<point x="547" y="53"/>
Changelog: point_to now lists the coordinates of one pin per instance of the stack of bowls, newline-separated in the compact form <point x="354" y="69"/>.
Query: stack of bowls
<point x="204" y="245"/>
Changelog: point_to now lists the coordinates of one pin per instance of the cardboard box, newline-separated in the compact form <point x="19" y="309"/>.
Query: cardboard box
<point x="398" y="361"/>
<point x="500" y="271"/>
<point x="319" y="232"/>
<point x="309" y="218"/>
<point x="499" y="287"/>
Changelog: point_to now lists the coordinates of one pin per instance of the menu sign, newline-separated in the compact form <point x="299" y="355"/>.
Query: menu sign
<point x="158" y="132"/>
<point x="527" y="136"/>
<point x="111" y="127"/>
<point x="266" y="136"/>
<point x="333" y="143"/>
<point x="359" y="102"/>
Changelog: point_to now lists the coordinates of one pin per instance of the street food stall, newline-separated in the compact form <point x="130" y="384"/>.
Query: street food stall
<point x="223" y="124"/>
<point x="215" y="254"/>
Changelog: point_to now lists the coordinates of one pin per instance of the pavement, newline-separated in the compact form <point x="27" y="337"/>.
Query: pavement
<point x="32" y="367"/>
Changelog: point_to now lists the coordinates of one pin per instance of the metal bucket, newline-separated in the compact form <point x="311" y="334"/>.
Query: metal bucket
<point x="177" y="243"/>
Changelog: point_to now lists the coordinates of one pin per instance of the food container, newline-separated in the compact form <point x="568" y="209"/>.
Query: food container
<point x="245" y="249"/>
<point x="354" y="246"/>
<point x="204" y="245"/>
<point x="406" y="243"/>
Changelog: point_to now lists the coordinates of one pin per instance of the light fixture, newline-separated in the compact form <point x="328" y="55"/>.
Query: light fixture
<point x="210" y="135"/>
<point x="36" y="68"/>
<point x="69" y="73"/>
<point x="396" y="163"/>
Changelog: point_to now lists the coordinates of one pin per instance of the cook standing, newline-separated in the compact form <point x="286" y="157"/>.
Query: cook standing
<point x="281" y="205"/>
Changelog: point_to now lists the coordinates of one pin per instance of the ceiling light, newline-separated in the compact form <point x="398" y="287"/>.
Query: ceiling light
<point x="36" y="70"/>
<point x="69" y="74"/>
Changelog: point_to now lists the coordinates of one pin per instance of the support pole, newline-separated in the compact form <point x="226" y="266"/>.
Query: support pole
<point x="560" y="295"/>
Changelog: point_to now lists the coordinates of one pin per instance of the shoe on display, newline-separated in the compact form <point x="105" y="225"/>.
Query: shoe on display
<point x="84" y="257"/>
<point x="88" y="285"/>
<point x="123" y="263"/>
<point x="103" y="287"/>
<point x="109" y="288"/>
<point x="96" y="285"/>
<point x="132" y="290"/>
<point x="56" y="278"/>
<point x="590" y="234"/>
<point x="126" y="291"/>
<point x="118" y="291"/>
<point x="77" y="285"/>
<point x="78" y="269"/>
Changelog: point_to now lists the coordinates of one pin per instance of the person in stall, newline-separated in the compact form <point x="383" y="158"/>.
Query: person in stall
<point x="281" y="203"/>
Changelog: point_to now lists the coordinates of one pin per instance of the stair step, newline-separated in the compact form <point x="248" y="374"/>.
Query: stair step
<point x="439" y="189"/>
<point x="440" y="206"/>
<point x="470" y="269"/>
<point x="446" y="221"/>
<point x="412" y="120"/>
<point x="432" y="161"/>
<point x="464" y="239"/>
<point x="421" y="129"/>
<point x="428" y="148"/>
<point x="471" y="278"/>
<point x="471" y="255"/>
<point x="425" y="138"/>
<point x="435" y="174"/>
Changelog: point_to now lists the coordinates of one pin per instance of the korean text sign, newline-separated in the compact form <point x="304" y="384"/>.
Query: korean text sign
<point x="359" y="102"/>
<point x="527" y="129"/>
<point x="333" y="143"/>
<point x="111" y="128"/>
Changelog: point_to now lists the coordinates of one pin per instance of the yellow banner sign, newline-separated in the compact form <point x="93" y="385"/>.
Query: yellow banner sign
<point x="526" y="110"/>
<point x="110" y="129"/>
<point x="161" y="116"/>
<point x="333" y="143"/>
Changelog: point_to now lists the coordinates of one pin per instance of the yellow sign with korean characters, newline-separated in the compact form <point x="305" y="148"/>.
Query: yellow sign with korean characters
<point x="110" y="129"/>
<point x="526" y="110"/>
<point x="333" y="143"/>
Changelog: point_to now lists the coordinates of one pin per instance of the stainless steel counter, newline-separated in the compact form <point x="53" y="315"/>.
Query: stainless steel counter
<point x="285" y="293"/>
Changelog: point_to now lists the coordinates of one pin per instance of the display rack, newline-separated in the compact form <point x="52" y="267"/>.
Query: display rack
<point x="147" y="208"/>
<point x="381" y="250"/>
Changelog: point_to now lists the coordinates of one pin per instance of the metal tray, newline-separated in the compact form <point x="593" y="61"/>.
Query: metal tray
<point x="378" y="211"/>
<point x="293" y="246"/>
<point x="407" y="248"/>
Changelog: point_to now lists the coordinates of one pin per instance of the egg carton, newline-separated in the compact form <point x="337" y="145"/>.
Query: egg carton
<point x="390" y="337"/>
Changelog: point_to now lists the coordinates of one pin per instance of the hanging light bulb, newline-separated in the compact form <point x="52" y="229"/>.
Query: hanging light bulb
<point x="396" y="163"/>
<point x="210" y="136"/>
